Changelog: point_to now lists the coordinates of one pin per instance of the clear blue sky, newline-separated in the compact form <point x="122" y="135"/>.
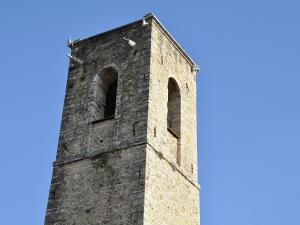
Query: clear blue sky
<point x="248" y="100"/>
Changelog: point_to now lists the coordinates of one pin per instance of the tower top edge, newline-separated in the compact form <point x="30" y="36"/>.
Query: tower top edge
<point x="148" y="17"/>
<point x="172" y="39"/>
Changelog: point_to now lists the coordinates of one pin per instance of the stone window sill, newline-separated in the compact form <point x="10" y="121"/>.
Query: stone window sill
<point x="103" y="119"/>
<point x="173" y="132"/>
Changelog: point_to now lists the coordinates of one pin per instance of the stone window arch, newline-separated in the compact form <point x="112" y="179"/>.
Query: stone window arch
<point x="174" y="108"/>
<point x="174" y="115"/>
<point x="103" y="94"/>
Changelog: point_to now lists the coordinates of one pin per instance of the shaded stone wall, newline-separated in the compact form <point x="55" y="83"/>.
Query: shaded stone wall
<point x="98" y="175"/>
<point x="104" y="189"/>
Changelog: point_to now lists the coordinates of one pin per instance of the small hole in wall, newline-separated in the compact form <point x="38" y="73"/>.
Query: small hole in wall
<point x="64" y="146"/>
<point x="101" y="141"/>
<point x="133" y="129"/>
<point x="82" y="77"/>
<point x="70" y="84"/>
<point x="187" y="87"/>
<point x="154" y="131"/>
<point x="160" y="155"/>
<point x="192" y="167"/>
<point x="99" y="161"/>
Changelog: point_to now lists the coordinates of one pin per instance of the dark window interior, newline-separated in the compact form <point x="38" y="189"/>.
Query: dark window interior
<point x="110" y="106"/>
<point x="173" y="117"/>
<point x="102" y="105"/>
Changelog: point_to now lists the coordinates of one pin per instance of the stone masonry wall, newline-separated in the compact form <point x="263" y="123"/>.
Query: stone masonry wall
<point x="98" y="175"/>
<point x="123" y="170"/>
<point x="105" y="189"/>
<point x="166" y="62"/>
<point x="170" y="199"/>
<point x="172" y="192"/>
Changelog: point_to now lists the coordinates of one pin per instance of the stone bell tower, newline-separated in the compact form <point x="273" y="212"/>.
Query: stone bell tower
<point x="127" y="151"/>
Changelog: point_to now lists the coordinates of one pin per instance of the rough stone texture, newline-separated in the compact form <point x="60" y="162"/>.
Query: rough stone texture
<point x="170" y="198"/>
<point x="172" y="193"/>
<point x="123" y="170"/>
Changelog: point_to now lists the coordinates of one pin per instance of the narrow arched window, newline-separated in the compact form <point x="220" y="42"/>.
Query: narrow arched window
<point x="174" y="105"/>
<point x="174" y="115"/>
<point x="111" y="94"/>
<point x="104" y="94"/>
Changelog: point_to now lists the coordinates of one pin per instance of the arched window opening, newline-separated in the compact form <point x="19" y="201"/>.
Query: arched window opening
<point x="104" y="94"/>
<point x="173" y="117"/>
<point x="110" y="106"/>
